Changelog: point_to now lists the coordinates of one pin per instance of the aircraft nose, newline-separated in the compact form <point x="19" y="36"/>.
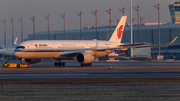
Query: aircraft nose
<point x="16" y="54"/>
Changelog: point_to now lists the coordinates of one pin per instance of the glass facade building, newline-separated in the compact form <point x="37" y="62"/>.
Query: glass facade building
<point x="148" y="32"/>
<point x="175" y="12"/>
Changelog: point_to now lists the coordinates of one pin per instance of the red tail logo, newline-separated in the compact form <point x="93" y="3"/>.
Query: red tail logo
<point x="120" y="31"/>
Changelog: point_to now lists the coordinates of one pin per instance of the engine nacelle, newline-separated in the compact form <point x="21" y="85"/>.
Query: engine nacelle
<point x="32" y="61"/>
<point x="85" y="58"/>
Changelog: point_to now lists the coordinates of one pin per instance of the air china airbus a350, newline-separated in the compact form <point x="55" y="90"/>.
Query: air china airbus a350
<point x="84" y="51"/>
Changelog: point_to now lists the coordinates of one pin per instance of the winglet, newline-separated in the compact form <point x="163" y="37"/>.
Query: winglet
<point x="173" y="40"/>
<point x="15" y="41"/>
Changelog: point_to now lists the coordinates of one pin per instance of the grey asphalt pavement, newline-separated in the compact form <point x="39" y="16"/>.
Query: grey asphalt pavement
<point x="90" y="75"/>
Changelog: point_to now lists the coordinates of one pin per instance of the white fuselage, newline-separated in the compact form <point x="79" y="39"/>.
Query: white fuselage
<point x="42" y="49"/>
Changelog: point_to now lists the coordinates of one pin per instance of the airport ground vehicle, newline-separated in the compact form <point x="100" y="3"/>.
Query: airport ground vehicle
<point x="15" y="65"/>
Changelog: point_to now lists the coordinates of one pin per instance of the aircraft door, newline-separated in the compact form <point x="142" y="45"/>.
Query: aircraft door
<point x="87" y="45"/>
<point x="54" y="46"/>
<point x="31" y="46"/>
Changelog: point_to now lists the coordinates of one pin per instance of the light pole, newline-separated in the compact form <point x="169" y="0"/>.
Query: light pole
<point x="33" y="19"/>
<point x="137" y="9"/>
<point x="117" y="21"/>
<point x="48" y="24"/>
<point x="4" y="31"/>
<point x="80" y="15"/>
<point x="63" y="16"/>
<point x="131" y="30"/>
<point x="141" y="19"/>
<point x="133" y="19"/>
<point x="12" y="21"/>
<point x="122" y="10"/>
<point x="109" y="19"/>
<point x="157" y="7"/>
<point x="95" y="13"/>
<point x="21" y="20"/>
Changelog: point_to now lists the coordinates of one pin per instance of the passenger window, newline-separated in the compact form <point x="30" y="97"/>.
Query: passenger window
<point x="20" y="47"/>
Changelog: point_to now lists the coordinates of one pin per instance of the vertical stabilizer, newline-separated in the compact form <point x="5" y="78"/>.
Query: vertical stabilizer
<point x="118" y="32"/>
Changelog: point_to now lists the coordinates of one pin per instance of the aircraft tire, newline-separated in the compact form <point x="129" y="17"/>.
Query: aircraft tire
<point x="90" y="64"/>
<point x="63" y="64"/>
<point x="55" y="64"/>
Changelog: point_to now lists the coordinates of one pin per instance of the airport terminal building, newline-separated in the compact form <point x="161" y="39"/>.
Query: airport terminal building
<point x="148" y="32"/>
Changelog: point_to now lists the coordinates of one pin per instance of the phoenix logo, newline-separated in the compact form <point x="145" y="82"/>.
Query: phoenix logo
<point x="36" y="45"/>
<point x="120" y="31"/>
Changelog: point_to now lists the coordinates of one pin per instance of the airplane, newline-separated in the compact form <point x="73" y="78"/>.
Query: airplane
<point x="84" y="51"/>
<point x="8" y="50"/>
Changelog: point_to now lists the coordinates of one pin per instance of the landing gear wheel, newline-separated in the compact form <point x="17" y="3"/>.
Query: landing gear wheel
<point x="82" y="65"/>
<point x="90" y="64"/>
<point x="63" y="64"/>
<point x="55" y="64"/>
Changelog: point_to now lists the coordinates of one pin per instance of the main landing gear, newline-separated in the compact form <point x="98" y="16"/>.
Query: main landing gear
<point x="22" y="61"/>
<point x="59" y="64"/>
<point x="89" y="64"/>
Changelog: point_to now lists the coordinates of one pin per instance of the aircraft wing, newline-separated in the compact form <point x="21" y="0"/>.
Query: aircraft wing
<point x="138" y="45"/>
<point x="156" y="45"/>
<point x="127" y="45"/>
<point x="141" y="45"/>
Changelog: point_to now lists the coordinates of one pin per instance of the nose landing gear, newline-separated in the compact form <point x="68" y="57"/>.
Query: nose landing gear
<point x="22" y="61"/>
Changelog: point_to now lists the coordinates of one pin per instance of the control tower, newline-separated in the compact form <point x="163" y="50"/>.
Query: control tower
<point x="175" y="12"/>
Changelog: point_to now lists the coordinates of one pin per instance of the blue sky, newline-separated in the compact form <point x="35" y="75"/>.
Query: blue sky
<point x="39" y="8"/>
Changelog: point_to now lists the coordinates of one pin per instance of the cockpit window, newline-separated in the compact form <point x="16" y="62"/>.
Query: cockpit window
<point x="20" y="47"/>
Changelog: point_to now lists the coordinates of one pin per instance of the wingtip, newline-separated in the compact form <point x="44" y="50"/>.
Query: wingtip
<point x="173" y="40"/>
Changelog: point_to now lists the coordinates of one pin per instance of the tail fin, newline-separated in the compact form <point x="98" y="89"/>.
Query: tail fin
<point x="15" y="41"/>
<point x="118" y="32"/>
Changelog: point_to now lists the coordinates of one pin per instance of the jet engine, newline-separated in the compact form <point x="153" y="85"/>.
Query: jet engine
<point x="85" y="58"/>
<point x="32" y="61"/>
